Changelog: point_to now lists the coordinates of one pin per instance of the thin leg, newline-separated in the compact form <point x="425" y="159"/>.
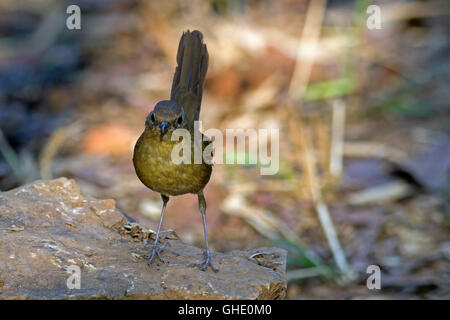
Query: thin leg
<point x="202" y="207"/>
<point x="156" y="247"/>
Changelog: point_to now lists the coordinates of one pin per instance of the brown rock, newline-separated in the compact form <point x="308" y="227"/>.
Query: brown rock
<point x="48" y="227"/>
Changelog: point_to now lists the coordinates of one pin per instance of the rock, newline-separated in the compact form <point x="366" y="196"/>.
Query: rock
<point x="49" y="231"/>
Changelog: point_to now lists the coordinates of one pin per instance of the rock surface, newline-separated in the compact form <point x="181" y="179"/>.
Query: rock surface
<point x="48" y="230"/>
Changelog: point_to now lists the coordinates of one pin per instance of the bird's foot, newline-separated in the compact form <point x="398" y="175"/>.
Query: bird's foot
<point x="208" y="262"/>
<point x="156" y="251"/>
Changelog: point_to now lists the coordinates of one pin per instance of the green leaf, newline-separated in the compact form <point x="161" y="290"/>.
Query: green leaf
<point x="329" y="89"/>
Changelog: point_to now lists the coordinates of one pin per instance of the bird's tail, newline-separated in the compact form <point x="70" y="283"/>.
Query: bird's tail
<point x="190" y="74"/>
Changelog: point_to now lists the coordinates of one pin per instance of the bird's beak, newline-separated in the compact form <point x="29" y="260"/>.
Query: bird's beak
<point x="164" y="126"/>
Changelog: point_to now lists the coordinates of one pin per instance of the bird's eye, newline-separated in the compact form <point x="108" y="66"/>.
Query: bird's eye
<point x="152" y="118"/>
<point x="180" y="120"/>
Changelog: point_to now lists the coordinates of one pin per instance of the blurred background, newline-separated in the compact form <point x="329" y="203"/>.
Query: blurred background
<point x="363" y="117"/>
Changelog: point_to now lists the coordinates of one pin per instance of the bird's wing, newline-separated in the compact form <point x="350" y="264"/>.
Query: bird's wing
<point x="190" y="74"/>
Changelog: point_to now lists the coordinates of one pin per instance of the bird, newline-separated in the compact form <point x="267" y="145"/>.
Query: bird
<point x="152" y="153"/>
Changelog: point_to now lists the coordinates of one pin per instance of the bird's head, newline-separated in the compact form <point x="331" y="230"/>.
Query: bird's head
<point x="166" y="117"/>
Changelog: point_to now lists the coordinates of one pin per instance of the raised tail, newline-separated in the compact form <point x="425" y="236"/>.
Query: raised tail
<point x="190" y="74"/>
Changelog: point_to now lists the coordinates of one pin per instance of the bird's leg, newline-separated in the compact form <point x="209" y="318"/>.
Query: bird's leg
<point x="156" y="247"/>
<point x="202" y="207"/>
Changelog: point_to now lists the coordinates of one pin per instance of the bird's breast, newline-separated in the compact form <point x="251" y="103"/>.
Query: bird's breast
<point x="154" y="166"/>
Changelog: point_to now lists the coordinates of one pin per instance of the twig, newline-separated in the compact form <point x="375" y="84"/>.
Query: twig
<point x="307" y="48"/>
<point x="305" y="156"/>
<point x="49" y="151"/>
<point x="332" y="238"/>
<point x="309" y="166"/>
<point x="322" y="136"/>
<point x="53" y="145"/>
<point x="387" y="192"/>
<point x="337" y="138"/>
<point x="365" y="149"/>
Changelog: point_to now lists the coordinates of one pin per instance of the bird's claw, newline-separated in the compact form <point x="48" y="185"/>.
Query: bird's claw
<point x="156" y="251"/>
<point x="208" y="262"/>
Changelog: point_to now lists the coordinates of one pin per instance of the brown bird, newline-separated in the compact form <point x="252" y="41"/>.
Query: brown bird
<point x="152" y="154"/>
